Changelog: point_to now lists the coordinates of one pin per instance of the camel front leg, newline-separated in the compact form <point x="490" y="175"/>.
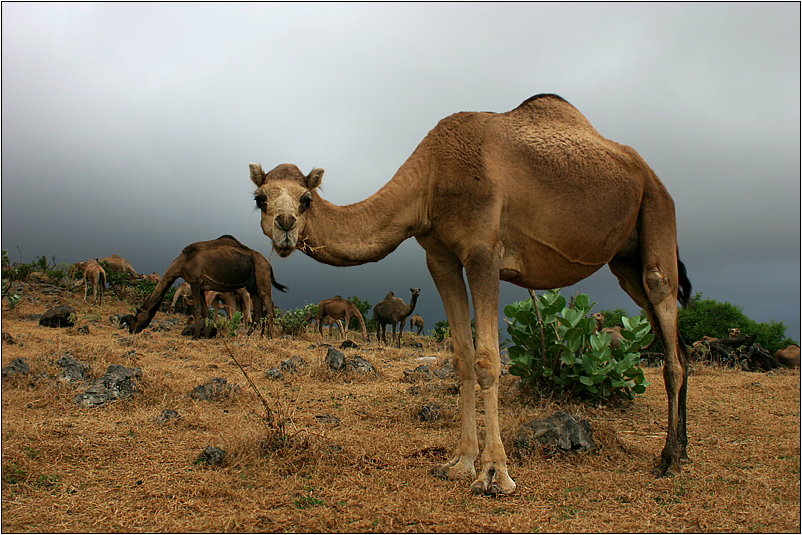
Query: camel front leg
<point x="447" y="275"/>
<point x="199" y="308"/>
<point x="481" y="269"/>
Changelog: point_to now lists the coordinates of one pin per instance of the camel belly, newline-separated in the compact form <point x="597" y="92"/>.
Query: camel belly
<point x="544" y="270"/>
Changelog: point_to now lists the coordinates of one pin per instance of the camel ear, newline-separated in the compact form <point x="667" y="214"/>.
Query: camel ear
<point x="257" y="175"/>
<point x="314" y="178"/>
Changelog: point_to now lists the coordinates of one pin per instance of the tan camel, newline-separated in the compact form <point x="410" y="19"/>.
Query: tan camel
<point x="118" y="264"/>
<point x="153" y="277"/>
<point x="77" y="269"/>
<point x="341" y="310"/>
<point x="222" y="265"/>
<point x="534" y="196"/>
<point x="415" y="321"/>
<point x="183" y="292"/>
<point x="614" y="332"/>
<point x="236" y="301"/>
<point x="393" y="310"/>
<point x="788" y="357"/>
<point x="95" y="274"/>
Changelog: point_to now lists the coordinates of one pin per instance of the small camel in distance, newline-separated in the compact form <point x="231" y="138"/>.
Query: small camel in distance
<point x="94" y="272"/>
<point x="393" y="310"/>
<point x="222" y="265"/>
<point x="118" y="264"/>
<point x="415" y="321"/>
<point x="341" y="310"/>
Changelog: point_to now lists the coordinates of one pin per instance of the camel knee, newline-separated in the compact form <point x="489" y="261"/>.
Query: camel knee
<point x="486" y="368"/>
<point x="657" y="284"/>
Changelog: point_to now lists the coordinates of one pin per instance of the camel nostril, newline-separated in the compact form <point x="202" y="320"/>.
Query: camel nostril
<point x="285" y="222"/>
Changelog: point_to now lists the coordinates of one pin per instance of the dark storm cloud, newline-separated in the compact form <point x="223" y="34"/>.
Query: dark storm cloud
<point x="127" y="128"/>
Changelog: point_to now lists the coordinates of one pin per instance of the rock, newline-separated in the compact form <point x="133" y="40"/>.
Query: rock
<point x="83" y="329"/>
<point x="60" y="316"/>
<point x="126" y="321"/>
<point x="348" y="344"/>
<point x="327" y="419"/>
<point x="291" y="364"/>
<point x="421" y="373"/>
<point x="429" y="412"/>
<point x="72" y="370"/>
<point x="209" y="332"/>
<point x="166" y="415"/>
<point x="211" y="456"/>
<point x="360" y="365"/>
<point x="273" y="373"/>
<point x="116" y="383"/>
<point x="8" y="339"/>
<point x="33" y="317"/>
<point x="560" y="432"/>
<point x="214" y="389"/>
<point x="17" y="366"/>
<point x="335" y="360"/>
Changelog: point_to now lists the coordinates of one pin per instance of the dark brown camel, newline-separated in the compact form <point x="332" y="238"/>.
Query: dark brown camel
<point x="393" y="310"/>
<point x="223" y="265"/>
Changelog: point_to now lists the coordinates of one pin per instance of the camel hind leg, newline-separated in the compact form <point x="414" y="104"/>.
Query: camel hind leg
<point x="654" y="281"/>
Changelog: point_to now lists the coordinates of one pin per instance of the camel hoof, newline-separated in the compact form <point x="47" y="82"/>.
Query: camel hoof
<point x="493" y="482"/>
<point x="665" y="469"/>
<point x="457" y="468"/>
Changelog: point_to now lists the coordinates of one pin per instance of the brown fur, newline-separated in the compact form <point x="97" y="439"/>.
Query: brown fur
<point x="534" y="196"/>
<point x="222" y="265"/>
<point x="95" y="274"/>
<point x="118" y="264"/>
<point x="342" y="310"/>
<point x="788" y="357"/>
<point x="415" y="321"/>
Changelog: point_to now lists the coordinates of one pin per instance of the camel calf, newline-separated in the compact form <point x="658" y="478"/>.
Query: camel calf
<point x="222" y="265"/>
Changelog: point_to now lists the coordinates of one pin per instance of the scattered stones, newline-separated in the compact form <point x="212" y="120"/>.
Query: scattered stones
<point x="429" y="412"/>
<point x="116" y="383"/>
<point x="215" y="389"/>
<point x="348" y="344"/>
<point x="211" y="456"/>
<point x="166" y="416"/>
<point x="335" y="360"/>
<point x="72" y="370"/>
<point x="17" y="366"/>
<point x="60" y="316"/>
<point x="558" y="433"/>
<point x="84" y="329"/>
<point x="8" y="339"/>
<point x="125" y="341"/>
<point x="292" y="364"/>
<point x="445" y="371"/>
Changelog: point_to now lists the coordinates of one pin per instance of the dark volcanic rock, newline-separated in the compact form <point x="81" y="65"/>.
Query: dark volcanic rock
<point x="16" y="367"/>
<point x="335" y="360"/>
<point x="60" y="316"/>
<point x="116" y="383"/>
<point x="560" y="432"/>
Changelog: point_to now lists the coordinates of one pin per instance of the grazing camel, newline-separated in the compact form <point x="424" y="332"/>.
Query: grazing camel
<point x="236" y="301"/>
<point x="614" y="332"/>
<point x="341" y="310"/>
<point x="788" y="357"/>
<point x="93" y="272"/>
<point x="183" y="292"/>
<point x="118" y="264"/>
<point x="415" y="321"/>
<point x="534" y="196"/>
<point x="393" y="310"/>
<point x="153" y="277"/>
<point x="222" y="265"/>
<point x="77" y="269"/>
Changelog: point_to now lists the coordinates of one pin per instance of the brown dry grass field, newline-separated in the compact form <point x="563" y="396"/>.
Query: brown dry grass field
<point x="364" y="467"/>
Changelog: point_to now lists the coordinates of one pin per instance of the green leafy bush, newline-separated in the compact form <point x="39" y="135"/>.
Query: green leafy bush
<point x="708" y="317"/>
<point x="293" y="322"/>
<point x="554" y="346"/>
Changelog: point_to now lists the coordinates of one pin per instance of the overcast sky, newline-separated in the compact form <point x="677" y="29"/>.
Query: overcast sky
<point x="128" y="128"/>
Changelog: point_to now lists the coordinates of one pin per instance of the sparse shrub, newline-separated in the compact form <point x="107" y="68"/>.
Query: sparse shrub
<point x="293" y="322"/>
<point x="554" y="346"/>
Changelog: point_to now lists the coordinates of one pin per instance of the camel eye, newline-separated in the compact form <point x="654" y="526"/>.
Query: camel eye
<point x="260" y="201"/>
<point x="306" y="200"/>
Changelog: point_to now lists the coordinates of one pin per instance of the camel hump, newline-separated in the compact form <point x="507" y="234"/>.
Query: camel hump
<point x="229" y="237"/>
<point x="540" y="96"/>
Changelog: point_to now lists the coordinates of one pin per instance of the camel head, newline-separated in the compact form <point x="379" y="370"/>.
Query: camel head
<point x="284" y="195"/>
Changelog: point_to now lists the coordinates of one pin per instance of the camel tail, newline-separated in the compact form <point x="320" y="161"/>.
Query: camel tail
<point x="684" y="287"/>
<point x="145" y="313"/>
<point x="278" y="286"/>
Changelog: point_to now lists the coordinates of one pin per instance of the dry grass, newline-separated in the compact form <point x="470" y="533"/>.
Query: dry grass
<point x="113" y="469"/>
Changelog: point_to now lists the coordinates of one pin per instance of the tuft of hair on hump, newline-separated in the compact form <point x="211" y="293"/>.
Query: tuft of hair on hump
<point x="542" y="96"/>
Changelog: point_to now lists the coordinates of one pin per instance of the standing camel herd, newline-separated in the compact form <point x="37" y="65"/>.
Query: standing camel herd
<point x="487" y="196"/>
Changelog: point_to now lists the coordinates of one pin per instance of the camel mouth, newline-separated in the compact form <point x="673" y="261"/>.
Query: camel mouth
<point x="284" y="252"/>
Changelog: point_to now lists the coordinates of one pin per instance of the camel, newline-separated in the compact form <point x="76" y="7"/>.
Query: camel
<point x="118" y="264"/>
<point x="238" y="300"/>
<point x="153" y="277"/>
<point x="183" y="292"/>
<point x="416" y="321"/>
<point x="222" y="265"/>
<point x="614" y="332"/>
<point x="788" y="357"/>
<point x="94" y="273"/>
<point x="535" y="197"/>
<point x="393" y="310"/>
<point x="77" y="269"/>
<point x="341" y="310"/>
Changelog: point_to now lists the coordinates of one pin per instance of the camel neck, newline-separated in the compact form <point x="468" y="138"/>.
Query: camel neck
<point x="369" y="230"/>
